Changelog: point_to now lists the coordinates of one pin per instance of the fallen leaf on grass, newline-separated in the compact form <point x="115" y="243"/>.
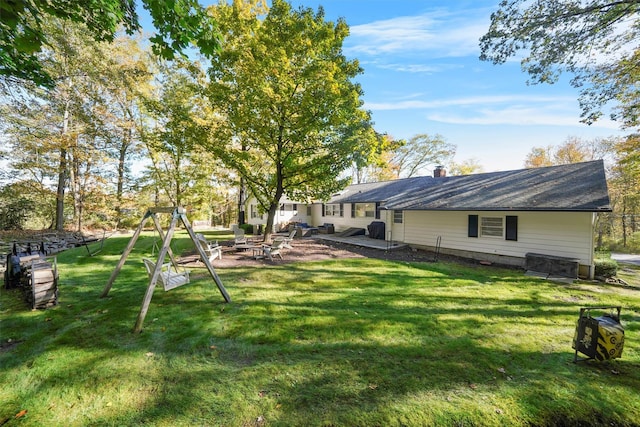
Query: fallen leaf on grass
<point x="498" y="411"/>
<point x="149" y="354"/>
<point x="473" y="386"/>
<point x="21" y="413"/>
<point x="502" y="370"/>
<point x="373" y="386"/>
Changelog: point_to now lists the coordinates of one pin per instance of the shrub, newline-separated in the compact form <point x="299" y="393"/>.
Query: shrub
<point x="248" y="228"/>
<point x="14" y="213"/>
<point x="606" y="267"/>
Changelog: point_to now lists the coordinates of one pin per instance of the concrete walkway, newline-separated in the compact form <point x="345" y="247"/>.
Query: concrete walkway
<point x="363" y="241"/>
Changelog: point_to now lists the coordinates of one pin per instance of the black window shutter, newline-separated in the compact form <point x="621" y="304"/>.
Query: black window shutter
<point x="341" y="209"/>
<point x="353" y="210"/>
<point x="512" y="228"/>
<point x="377" y="210"/>
<point x="473" y="226"/>
<point x="324" y="210"/>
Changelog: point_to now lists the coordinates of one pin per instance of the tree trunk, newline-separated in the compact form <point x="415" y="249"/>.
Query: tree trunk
<point x="270" y="217"/>
<point x="62" y="171"/>
<point x="121" y="171"/>
<point x="624" y="222"/>
<point x="62" y="178"/>
<point x="242" y="196"/>
<point x="74" y="188"/>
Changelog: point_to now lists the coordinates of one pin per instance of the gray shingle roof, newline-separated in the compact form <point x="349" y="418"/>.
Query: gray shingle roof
<point x="573" y="187"/>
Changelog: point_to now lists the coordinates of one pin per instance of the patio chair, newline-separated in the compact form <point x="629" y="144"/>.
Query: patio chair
<point x="211" y="250"/>
<point x="169" y="277"/>
<point x="270" y="251"/>
<point x="287" y="240"/>
<point x="240" y="238"/>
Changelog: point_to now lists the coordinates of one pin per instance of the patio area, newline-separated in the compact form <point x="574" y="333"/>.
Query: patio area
<point x="363" y="241"/>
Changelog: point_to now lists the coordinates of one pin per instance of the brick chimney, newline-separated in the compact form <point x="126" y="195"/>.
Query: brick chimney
<point x="439" y="172"/>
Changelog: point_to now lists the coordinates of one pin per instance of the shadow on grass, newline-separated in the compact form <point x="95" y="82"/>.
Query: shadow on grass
<point x="358" y="342"/>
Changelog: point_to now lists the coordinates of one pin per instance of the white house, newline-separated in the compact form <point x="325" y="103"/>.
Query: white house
<point x="499" y="216"/>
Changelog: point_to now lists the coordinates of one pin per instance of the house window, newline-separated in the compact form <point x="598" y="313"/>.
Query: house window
<point x="398" y="217"/>
<point x="308" y="210"/>
<point x="365" y="210"/>
<point x="333" y="209"/>
<point x="491" y="226"/>
<point x="254" y="212"/>
<point x="288" y="207"/>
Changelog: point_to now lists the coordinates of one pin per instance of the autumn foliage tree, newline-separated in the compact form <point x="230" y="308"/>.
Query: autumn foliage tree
<point x="573" y="150"/>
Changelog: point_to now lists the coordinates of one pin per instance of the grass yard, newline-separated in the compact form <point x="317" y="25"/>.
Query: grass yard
<point x="350" y="342"/>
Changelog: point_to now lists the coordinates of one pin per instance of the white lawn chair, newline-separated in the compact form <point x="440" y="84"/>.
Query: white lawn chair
<point x="289" y="239"/>
<point x="274" y="249"/>
<point x="211" y="250"/>
<point x="169" y="277"/>
<point x="240" y="238"/>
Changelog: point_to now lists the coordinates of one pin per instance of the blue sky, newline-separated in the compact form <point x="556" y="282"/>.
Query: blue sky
<point x="422" y="75"/>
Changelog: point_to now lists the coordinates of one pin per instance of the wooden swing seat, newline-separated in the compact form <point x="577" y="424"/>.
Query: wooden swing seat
<point x="169" y="277"/>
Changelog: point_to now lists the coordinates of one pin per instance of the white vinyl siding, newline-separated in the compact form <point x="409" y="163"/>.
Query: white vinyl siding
<point x="345" y="221"/>
<point x="285" y="214"/>
<point x="567" y="234"/>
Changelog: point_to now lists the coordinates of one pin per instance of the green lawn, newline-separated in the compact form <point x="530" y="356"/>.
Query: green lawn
<point x="352" y="342"/>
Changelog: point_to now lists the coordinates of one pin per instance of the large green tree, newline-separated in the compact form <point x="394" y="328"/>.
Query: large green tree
<point x="420" y="152"/>
<point x="292" y="116"/>
<point x="179" y="24"/>
<point x="595" y="40"/>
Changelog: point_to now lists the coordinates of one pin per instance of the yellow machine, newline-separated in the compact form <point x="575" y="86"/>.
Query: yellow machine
<point x="599" y="338"/>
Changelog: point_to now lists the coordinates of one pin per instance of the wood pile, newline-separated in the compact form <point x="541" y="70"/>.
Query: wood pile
<point x="40" y="283"/>
<point x="36" y="276"/>
<point x="44" y="242"/>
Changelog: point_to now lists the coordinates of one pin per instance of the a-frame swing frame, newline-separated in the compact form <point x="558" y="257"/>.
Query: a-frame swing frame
<point x="177" y="213"/>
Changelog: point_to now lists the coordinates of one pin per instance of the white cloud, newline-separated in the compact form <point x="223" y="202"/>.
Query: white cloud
<point x="469" y="102"/>
<point x="518" y="110"/>
<point x="438" y="33"/>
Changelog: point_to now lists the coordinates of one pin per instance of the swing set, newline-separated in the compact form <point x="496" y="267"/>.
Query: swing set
<point x="169" y="274"/>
